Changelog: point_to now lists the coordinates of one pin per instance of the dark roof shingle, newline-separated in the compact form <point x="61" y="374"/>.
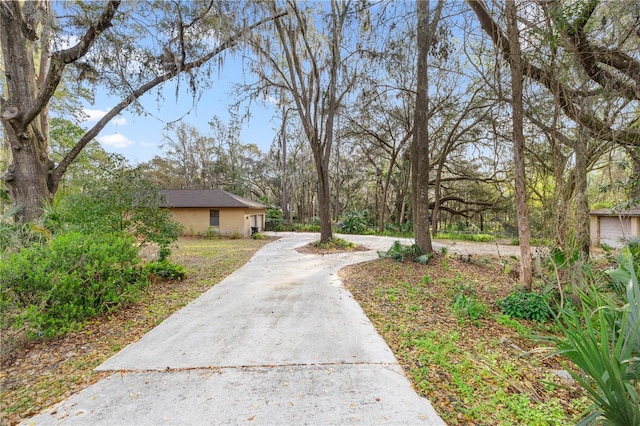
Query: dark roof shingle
<point x="207" y="198"/>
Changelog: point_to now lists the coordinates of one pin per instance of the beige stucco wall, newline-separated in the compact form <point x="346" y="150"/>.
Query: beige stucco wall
<point x="594" y="225"/>
<point x="635" y="226"/>
<point x="232" y="221"/>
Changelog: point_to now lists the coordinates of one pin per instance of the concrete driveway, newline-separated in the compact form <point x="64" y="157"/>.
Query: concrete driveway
<point x="278" y="342"/>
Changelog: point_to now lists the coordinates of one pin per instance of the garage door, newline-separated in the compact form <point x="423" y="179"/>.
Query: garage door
<point x="613" y="230"/>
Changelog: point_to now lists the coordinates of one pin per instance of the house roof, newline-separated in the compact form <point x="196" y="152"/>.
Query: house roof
<point x="207" y="198"/>
<point x="634" y="211"/>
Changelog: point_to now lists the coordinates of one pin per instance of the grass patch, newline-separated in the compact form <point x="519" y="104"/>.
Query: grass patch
<point x="479" y="238"/>
<point x="475" y="364"/>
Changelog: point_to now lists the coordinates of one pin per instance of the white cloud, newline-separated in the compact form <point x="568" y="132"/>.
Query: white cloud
<point x="115" y="140"/>
<point x="93" y="114"/>
<point x="119" y="121"/>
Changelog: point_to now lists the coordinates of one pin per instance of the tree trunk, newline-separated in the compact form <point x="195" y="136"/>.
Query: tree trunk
<point x="283" y="157"/>
<point x="581" y="199"/>
<point x="403" y="187"/>
<point x="435" y="215"/>
<point x="634" y="187"/>
<point x="515" y="63"/>
<point x="27" y="177"/>
<point x="324" y="207"/>
<point x="385" y="194"/>
<point x="560" y="205"/>
<point x="420" y="142"/>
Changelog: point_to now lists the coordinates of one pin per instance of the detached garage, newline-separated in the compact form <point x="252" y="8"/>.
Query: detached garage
<point x="613" y="228"/>
<point x="204" y="211"/>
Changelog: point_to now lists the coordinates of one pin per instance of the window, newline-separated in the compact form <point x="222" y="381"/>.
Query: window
<point x="214" y="217"/>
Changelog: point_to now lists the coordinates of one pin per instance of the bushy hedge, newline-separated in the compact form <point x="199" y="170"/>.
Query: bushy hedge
<point x="400" y="252"/>
<point x="51" y="289"/>
<point x="128" y="203"/>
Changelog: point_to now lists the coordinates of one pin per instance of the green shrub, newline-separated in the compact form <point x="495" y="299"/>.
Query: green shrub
<point x="53" y="288"/>
<point x="354" y="222"/>
<point x="307" y="227"/>
<point x="166" y="270"/>
<point x="334" y="243"/>
<point x="258" y="236"/>
<point x="281" y="227"/>
<point x="14" y="236"/>
<point x="398" y="229"/>
<point x="423" y="259"/>
<point x="212" y="233"/>
<point x="527" y="305"/>
<point x="400" y="253"/>
<point x="234" y="235"/>
<point x="274" y="220"/>
<point x="626" y="256"/>
<point x="480" y="238"/>
<point x="126" y="203"/>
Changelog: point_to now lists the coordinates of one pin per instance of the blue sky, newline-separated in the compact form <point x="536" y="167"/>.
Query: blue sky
<point x="139" y="138"/>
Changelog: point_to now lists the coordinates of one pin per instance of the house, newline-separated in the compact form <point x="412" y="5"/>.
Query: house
<point x="612" y="227"/>
<point x="207" y="211"/>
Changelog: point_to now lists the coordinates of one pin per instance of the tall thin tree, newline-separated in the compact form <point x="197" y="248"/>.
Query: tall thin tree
<point x="522" y="211"/>
<point x="306" y="62"/>
<point x="420" y="142"/>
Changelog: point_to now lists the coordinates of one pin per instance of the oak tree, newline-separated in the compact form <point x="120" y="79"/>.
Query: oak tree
<point x="129" y="49"/>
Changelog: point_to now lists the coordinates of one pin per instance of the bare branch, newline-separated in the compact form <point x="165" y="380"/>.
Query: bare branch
<point x="59" y="171"/>
<point x="568" y="100"/>
<point x="61" y="58"/>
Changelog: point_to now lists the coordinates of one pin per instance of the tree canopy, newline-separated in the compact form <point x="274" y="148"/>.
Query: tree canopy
<point x="350" y="96"/>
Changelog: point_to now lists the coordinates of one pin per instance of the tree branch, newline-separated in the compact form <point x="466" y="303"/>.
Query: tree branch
<point x="60" y="59"/>
<point x="567" y="99"/>
<point x="59" y="171"/>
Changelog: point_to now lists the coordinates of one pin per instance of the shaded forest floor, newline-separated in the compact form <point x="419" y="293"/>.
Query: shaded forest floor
<point x="486" y="371"/>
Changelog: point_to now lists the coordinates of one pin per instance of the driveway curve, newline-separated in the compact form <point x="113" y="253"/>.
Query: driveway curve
<point x="278" y="342"/>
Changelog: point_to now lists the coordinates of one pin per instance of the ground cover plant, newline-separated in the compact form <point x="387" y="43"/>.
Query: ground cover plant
<point x="475" y="364"/>
<point x="48" y="371"/>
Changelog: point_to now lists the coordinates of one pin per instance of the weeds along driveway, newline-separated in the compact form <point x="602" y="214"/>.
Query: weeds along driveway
<point x="277" y="342"/>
